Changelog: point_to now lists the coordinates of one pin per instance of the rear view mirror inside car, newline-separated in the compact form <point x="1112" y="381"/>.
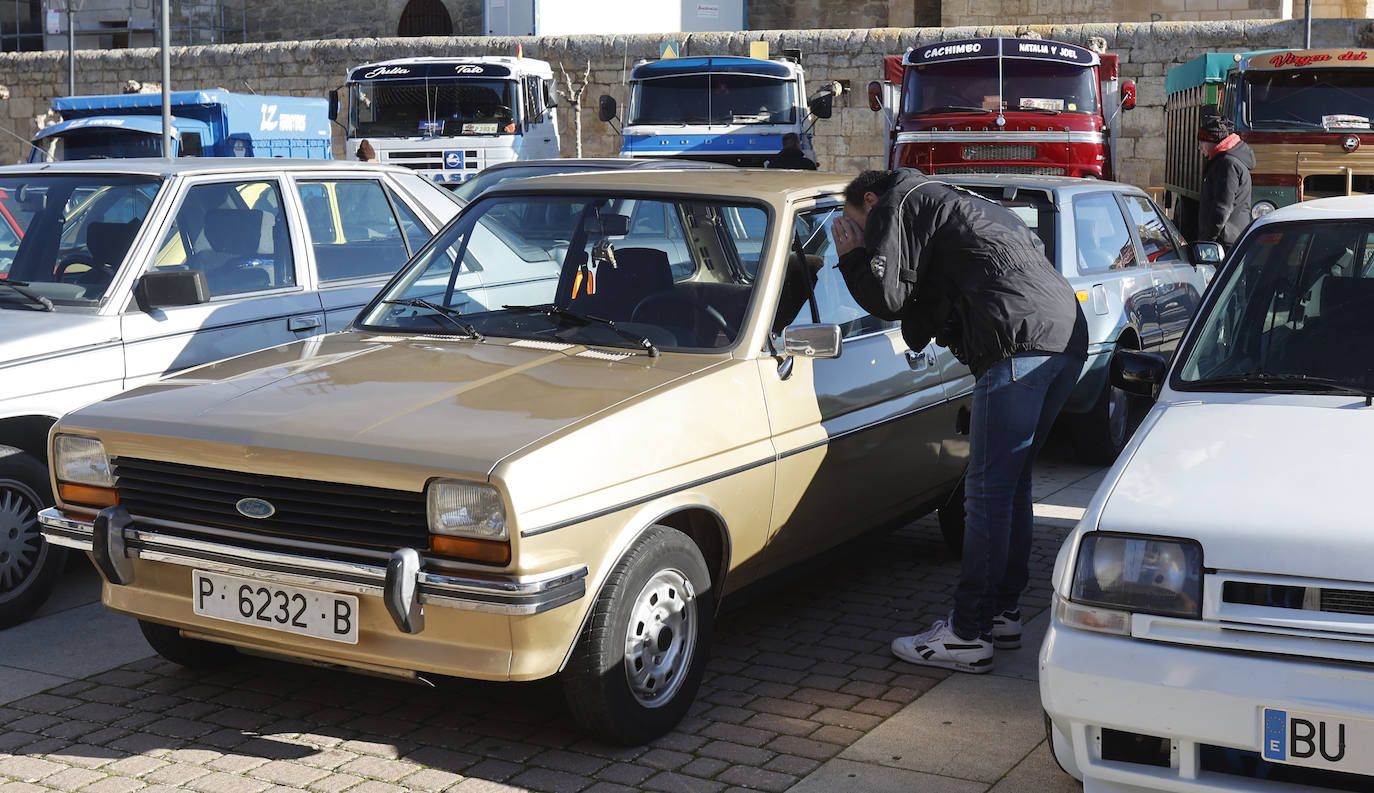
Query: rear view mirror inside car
<point x="608" y="225"/>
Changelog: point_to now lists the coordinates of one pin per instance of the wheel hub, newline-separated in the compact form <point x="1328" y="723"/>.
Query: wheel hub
<point x="20" y="541"/>
<point x="660" y="638"/>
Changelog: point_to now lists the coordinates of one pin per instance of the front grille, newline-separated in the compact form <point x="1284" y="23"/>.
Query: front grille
<point x="1031" y="170"/>
<point x="1001" y="151"/>
<point x="1347" y="601"/>
<point x="308" y="510"/>
<point x="428" y="160"/>
<point x="1335" y="601"/>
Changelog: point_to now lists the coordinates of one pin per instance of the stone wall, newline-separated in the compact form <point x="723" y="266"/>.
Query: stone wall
<point x="1058" y="12"/>
<point x="850" y="141"/>
<point x="828" y="14"/>
<point x="274" y="20"/>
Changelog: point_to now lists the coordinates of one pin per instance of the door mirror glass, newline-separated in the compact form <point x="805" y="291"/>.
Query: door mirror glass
<point x="823" y="106"/>
<point x="812" y="341"/>
<point x="605" y="109"/>
<point x="875" y="96"/>
<point x="164" y="288"/>
<point x="1127" y="94"/>
<point x="334" y="104"/>
<point x="1205" y="253"/>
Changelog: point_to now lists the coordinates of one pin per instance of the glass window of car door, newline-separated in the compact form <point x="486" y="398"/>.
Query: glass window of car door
<point x="834" y="304"/>
<point x="1154" y="233"/>
<point x="1100" y="233"/>
<point x="235" y="233"/>
<point x="416" y="234"/>
<point x="353" y="230"/>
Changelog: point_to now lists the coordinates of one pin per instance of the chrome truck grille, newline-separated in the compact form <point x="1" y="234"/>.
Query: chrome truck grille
<point x="1000" y="151"/>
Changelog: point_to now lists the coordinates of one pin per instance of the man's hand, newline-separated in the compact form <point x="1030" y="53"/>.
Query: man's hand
<point x="846" y="234"/>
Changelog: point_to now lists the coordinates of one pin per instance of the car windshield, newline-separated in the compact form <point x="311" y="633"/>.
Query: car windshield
<point x="1026" y="85"/>
<point x="431" y="108"/>
<point x="493" y="176"/>
<point x="1310" y="98"/>
<point x="64" y="237"/>
<point x="677" y="272"/>
<point x="1295" y="307"/>
<point x="713" y="98"/>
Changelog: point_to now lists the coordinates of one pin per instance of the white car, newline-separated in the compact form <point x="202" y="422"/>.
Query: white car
<point x="117" y="272"/>
<point x="1213" y="618"/>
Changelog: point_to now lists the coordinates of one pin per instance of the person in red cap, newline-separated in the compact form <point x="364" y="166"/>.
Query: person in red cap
<point x="1224" y="206"/>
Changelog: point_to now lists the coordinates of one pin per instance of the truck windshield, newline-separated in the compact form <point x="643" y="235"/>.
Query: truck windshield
<point x="713" y="98"/>
<point x="1310" y="98"/>
<point x="70" y="234"/>
<point x="1295" y="312"/>
<point x="98" y="143"/>
<point x="1026" y="84"/>
<point x="432" y="108"/>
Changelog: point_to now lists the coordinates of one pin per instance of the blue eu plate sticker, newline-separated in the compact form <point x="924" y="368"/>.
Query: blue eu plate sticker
<point x="1275" y="735"/>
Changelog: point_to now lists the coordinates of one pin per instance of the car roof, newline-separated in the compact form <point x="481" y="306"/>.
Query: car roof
<point x="603" y="163"/>
<point x="771" y="185"/>
<point x="1053" y="184"/>
<point x="156" y="166"/>
<point x="1323" y="209"/>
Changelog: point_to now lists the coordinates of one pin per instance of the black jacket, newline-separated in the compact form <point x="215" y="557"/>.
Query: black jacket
<point x="1224" y="206"/>
<point x="793" y="159"/>
<point x="965" y="271"/>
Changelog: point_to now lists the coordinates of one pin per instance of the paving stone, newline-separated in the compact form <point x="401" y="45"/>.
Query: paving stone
<point x="176" y="774"/>
<point x="379" y="768"/>
<point x="334" y="783"/>
<point x="430" y="780"/>
<point x="624" y="773"/>
<point x="704" y="767"/>
<point x="737" y="734"/>
<point x="28" y="769"/>
<point x="560" y="760"/>
<point x="221" y="782"/>
<point x="114" y="784"/>
<point x="71" y="778"/>
<point x="20" y="787"/>
<point x="791" y="764"/>
<point x="497" y="770"/>
<point x="736" y="753"/>
<point x="236" y="763"/>
<point x="805" y="747"/>
<point x="671" y="782"/>
<point x="610" y="787"/>
<point x="772" y="722"/>
<point x="664" y="759"/>
<point x="45" y="703"/>
<point x="549" y="781"/>
<point x="137" y="765"/>
<point x="484" y="786"/>
<point x="757" y="778"/>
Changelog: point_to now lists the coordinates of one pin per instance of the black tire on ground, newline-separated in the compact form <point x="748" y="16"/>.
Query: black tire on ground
<point x="190" y="653"/>
<point x="1100" y="434"/>
<point x="29" y="565"/>
<point x="951" y="515"/>
<point x="637" y="665"/>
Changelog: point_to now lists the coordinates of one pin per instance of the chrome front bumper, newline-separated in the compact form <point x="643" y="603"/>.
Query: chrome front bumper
<point x="112" y="539"/>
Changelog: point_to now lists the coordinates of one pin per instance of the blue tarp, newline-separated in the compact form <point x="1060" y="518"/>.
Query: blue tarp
<point x="676" y="67"/>
<point x="1209" y="68"/>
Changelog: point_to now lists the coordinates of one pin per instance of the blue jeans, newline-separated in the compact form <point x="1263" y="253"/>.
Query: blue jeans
<point x="1014" y="404"/>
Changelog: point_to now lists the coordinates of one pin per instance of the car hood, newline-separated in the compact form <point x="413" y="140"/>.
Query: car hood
<point x="27" y="334"/>
<point x="1265" y="487"/>
<point x="444" y="404"/>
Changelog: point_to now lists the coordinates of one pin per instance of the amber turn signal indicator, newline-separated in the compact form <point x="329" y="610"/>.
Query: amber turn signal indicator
<point x="466" y="548"/>
<point x="87" y="496"/>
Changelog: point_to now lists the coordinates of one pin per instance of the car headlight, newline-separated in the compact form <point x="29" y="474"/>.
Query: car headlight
<point x="1122" y="574"/>
<point x="467" y="520"/>
<point x="1261" y="208"/>
<point x="81" y="461"/>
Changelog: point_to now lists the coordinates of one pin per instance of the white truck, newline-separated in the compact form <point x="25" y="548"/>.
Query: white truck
<point x="449" y="118"/>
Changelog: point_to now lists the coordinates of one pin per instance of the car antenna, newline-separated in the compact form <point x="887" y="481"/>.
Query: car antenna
<point x="250" y="87"/>
<point x="29" y="143"/>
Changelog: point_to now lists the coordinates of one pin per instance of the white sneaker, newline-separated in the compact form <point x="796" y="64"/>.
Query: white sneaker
<point x="1006" y="630"/>
<point x="941" y="646"/>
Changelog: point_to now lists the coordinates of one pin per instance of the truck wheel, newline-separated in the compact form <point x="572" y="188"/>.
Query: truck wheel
<point x="638" y="663"/>
<point x="190" y="653"/>
<point x="1100" y="434"/>
<point x="951" y="515"/>
<point x="29" y="565"/>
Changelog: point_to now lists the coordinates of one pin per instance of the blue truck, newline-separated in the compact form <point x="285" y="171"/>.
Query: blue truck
<point x="214" y="123"/>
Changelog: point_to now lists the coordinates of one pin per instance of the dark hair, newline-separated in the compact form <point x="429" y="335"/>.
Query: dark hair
<point x="791" y="139"/>
<point x="877" y="182"/>
<point x="366" y="153"/>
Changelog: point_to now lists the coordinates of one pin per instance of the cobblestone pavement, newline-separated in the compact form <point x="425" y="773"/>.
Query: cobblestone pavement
<point x="798" y="673"/>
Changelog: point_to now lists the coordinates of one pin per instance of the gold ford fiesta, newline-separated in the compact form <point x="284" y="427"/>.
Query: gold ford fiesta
<point x="589" y="409"/>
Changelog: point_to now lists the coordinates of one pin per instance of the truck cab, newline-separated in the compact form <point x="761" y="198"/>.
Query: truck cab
<point x="449" y="118"/>
<point x="720" y="109"/>
<point x="214" y="123"/>
<point x="1005" y="105"/>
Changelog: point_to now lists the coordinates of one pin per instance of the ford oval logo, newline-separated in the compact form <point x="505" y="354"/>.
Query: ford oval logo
<point x="255" y="508"/>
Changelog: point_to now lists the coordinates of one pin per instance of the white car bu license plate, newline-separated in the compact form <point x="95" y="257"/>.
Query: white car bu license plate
<point x="1315" y="740"/>
<point x="323" y="615"/>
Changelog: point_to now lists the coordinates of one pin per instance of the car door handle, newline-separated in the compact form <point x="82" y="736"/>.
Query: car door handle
<point x="303" y="323"/>
<point x="919" y="361"/>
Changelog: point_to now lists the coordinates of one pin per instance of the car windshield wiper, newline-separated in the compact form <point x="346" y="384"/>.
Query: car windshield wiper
<point x="954" y="109"/>
<point x="586" y="319"/>
<point x="451" y="314"/>
<point x="1292" y="122"/>
<point x="20" y="287"/>
<point x="1039" y="110"/>
<point x="1287" y="382"/>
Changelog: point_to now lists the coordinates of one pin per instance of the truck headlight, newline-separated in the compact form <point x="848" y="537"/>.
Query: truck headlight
<point x="83" y="472"/>
<point x="1261" y="208"/>
<point x="467" y="520"/>
<point x="1121" y="574"/>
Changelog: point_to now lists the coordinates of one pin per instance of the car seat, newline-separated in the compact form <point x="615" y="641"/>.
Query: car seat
<point x="109" y="242"/>
<point x="236" y="237"/>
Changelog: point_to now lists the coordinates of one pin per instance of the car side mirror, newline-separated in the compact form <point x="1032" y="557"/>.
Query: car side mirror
<point x="334" y="104"/>
<point x="823" y="106"/>
<point x="875" y="96"/>
<point x="1139" y="373"/>
<point x="1127" y="94"/>
<point x="812" y="341"/>
<point x="162" y="288"/>
<point x="1205" y="253"/>
<point x="605" y="108"/>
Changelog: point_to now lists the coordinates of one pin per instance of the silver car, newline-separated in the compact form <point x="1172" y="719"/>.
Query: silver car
<point x="1137" y="280"/>
<point x="117" y="272"/>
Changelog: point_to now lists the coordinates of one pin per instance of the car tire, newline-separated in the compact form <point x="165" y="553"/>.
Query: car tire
<point x="1100" y="434"/>
<point x="639" y="660"/>
<point x="29" y="564"/>
<point x="190" y="653"/>
<point x="951" y="516"/>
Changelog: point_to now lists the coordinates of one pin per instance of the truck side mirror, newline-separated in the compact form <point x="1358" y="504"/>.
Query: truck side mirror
<point x="1205" y="253"/>
<point x="334" y="104"/>
<point x="1127" y="94"/>
<point x="605" y="109"/>
<point x="812" y="341"/>
<point x="161" y="288"/>
<point x="823" y="106"/>
<point x="1136" y="372"/>
<point x="875" y="96"/>
<point x="550" y="93"/>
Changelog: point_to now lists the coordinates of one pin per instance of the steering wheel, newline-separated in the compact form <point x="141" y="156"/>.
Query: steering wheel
<point x="712" y="316"/>
<point x="72" y="259"/>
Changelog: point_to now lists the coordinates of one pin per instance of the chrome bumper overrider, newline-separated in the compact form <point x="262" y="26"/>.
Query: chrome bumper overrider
<point x="113" y="539"/>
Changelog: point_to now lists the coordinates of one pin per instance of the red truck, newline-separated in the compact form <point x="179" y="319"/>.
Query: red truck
<point x="1003" y="105"/>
